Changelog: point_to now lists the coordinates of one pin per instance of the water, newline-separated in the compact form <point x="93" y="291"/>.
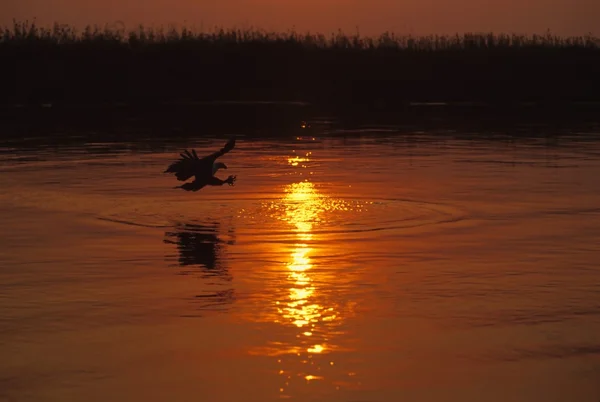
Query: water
<point x="366" y="268"/>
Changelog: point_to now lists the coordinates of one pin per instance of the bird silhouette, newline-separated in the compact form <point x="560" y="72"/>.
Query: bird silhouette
<point x="203" y="169"/>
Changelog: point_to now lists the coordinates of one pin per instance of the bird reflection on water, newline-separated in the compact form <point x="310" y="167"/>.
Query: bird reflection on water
<point x="200" y="245"/>
<point x="201" y="250"/>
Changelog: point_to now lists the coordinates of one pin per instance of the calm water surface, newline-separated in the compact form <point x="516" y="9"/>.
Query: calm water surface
<point x="374" y="268"/>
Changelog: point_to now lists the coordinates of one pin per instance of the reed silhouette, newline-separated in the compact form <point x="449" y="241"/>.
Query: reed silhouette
<point x="59" y="65"/>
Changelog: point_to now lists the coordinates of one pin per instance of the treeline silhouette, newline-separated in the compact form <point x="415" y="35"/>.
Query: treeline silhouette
<point x="61" y="65"/>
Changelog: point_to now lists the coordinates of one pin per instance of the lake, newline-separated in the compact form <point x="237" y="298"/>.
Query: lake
<point x="353" y="265"/>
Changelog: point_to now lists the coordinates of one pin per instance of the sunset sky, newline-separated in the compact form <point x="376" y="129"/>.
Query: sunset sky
<point x="563" y="17"/>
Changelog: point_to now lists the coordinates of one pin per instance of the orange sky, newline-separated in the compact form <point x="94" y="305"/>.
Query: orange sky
<point x="564" y="17"/>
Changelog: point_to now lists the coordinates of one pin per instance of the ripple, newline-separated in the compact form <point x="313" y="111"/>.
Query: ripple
<point x="354" y="215"/>
<point x="342" y="217"/>
<point x="544" y="352"/>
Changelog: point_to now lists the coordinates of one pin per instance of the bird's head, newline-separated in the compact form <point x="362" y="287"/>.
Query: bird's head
<point x="218" y="165"/>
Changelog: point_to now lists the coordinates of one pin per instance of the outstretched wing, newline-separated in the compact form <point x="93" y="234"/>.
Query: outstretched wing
<point x="228" y="147"/>
<point x="190" y="165"/>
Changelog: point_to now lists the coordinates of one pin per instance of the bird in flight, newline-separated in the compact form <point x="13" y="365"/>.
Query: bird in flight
<point x="203" y="169"/>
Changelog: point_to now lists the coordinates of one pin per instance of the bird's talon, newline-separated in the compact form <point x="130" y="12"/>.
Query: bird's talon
<point x="231" y="180"/>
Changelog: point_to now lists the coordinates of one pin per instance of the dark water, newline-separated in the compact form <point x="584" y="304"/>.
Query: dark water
<point x="413" y="267"/>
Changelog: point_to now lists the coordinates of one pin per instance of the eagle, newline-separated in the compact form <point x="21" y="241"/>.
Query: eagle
<point x="203" y="169"/>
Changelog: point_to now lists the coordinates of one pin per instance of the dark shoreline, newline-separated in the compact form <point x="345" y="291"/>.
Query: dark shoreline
<point x="174" y="121"/>
<point x="93" y="67"/>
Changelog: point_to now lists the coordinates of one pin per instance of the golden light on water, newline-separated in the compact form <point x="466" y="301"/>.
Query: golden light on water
<point x="305" y="308"/>
<point x="316" y="349"/>
<point x="306" y="305"/>
<point x="303" y="207"/>
<point x="299" y="160"/>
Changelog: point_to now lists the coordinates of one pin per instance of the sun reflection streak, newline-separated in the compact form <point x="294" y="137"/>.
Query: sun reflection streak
<point x="305" y="304"/>
<point x="299" y="160"/>
<point x="304" y="307"/>
<point x="303" y="207"/>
